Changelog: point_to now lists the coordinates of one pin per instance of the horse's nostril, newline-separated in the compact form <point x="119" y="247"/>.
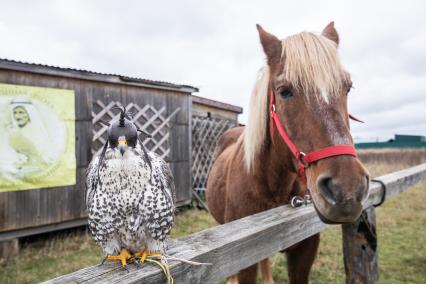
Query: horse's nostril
<point x="325" y="188"/>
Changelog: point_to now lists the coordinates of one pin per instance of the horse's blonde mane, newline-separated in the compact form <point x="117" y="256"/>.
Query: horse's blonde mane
<point x="311" y="65"/>
<point x="255" y="130"/>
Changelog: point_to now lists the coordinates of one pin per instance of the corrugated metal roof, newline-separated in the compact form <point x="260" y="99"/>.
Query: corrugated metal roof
<point x="89" y="75"/>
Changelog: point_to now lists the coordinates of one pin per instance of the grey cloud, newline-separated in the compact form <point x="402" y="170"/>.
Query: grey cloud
<point x="214" y="45"/>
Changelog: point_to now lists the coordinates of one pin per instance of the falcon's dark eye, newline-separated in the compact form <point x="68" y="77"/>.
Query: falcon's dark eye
<point x="286" y="93"/>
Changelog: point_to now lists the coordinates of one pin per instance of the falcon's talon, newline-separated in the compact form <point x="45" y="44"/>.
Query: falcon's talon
<point x="123" y="257"/>
<point x="142" y="256"/>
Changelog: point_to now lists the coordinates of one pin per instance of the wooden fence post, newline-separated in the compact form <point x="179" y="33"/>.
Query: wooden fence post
<point x="360" y="249"/>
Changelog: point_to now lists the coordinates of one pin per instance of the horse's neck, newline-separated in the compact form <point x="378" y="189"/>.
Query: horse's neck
<point x="278" y="170"/>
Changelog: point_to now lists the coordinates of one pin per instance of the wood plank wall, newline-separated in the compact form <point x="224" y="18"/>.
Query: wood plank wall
<point x="38" y="207"/>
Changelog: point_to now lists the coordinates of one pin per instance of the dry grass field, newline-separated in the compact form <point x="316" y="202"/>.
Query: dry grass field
<point x="382" y="161"/>
<point x="401" y="232"/>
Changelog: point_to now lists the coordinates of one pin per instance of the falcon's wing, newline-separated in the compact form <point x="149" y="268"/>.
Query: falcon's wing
<point x="160" y="227"/>
<point x="91" y="180"/>
<point x="103" y="218"/>
<point x="157" y="202"/>
<point x="168" y="180"/>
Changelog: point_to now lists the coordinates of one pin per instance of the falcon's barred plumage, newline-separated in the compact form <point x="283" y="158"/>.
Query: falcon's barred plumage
<point x="130" y="196"/>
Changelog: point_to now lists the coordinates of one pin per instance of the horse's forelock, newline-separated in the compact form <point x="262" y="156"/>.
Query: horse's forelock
<point x="311" y="64"/>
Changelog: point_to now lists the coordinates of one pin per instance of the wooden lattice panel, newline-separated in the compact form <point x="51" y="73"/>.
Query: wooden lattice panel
<point x="205" y="133"/>
<point x="147" y="118"/>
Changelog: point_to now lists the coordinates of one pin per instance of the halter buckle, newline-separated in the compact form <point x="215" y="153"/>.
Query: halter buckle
<point x="273" y="108"/>
<point x="301" y="158"/>
<point x="297" y="201"/>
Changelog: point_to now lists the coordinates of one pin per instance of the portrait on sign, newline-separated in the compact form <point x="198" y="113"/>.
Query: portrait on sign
<point x="37" y="144"/>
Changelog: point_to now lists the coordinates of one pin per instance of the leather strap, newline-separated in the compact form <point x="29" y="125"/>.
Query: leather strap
<point x="305" y="160"/>
<point x="355" y="118"/>
<point x="335" y="150"/>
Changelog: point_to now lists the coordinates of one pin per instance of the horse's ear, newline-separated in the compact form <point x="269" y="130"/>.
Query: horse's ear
<point x="330" y="32"/>
<point x="271" y="45"/>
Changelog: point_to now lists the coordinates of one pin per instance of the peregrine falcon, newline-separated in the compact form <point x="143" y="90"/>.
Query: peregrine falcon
<point x="130" y="196"/>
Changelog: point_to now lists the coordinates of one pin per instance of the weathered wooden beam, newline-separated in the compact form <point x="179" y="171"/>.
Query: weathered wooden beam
<point x="236" y="245"/>
<point x="15" y="234"/>
<point x="229" y="248"/>
<point x="396" y="183"/>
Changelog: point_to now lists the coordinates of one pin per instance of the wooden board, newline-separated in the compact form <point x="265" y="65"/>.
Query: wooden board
<point x="36" y="207"/>
<point x="179" y="150"/>
<point x="183" y="185"/>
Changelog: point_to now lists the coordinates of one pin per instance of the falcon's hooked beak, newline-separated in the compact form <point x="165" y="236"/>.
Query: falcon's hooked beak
<point x="122" y="144"/>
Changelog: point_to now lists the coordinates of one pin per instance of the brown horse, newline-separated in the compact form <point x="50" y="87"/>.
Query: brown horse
<point x="255" y="170"/>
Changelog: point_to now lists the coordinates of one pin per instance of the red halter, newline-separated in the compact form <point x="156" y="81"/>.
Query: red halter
<point x="305" y="160"/>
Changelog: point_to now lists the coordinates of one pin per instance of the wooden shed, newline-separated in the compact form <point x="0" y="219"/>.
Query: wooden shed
<point x="160" y="108"/>
<point x="204" y="107"/>
<point x="210" y="119"/>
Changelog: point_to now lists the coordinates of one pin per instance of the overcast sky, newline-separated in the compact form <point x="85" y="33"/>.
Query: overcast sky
<point x="214" y="46"/>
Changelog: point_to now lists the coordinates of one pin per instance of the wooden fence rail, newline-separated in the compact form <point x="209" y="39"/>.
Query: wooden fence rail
<point x="239" y="244"/>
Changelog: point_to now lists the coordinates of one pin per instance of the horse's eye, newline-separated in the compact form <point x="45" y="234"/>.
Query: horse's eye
<point x="286" y="93"/>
